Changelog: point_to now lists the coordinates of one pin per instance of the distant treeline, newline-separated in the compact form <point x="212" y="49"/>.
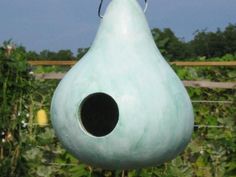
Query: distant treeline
<point x="204" y="44"/>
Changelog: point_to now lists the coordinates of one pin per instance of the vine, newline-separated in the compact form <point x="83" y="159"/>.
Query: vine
<point x="27" y="149"/>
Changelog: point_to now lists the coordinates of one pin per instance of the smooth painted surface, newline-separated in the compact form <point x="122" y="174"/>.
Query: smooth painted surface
<point x="155" y="113"/>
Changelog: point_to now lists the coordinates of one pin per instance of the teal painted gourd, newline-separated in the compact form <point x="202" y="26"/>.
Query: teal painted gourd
<point x="122" y="106"/>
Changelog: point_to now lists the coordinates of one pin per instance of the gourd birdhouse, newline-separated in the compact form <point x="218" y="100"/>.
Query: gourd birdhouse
<point x="122" y="106"/>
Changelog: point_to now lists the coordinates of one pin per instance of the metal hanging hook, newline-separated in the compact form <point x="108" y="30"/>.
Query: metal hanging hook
<point x="146" y="6"/>
<point x="101" y="2"/>
<point x="99" y="9"/>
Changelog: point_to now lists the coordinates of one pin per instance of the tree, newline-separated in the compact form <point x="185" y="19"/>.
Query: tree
<point x="170" y="46"/>
<point x="214" y="44"/>
<point x="229" y="36"/>
<point x="81" y="52"/>
<point x="60" y="55"/>
<point x="65" y="55"/>
<point x="46" y="54"/>
<point x="32" y="55"/>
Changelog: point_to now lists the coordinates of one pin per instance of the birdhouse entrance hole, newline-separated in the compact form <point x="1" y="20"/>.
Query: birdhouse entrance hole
<point x="99" y="114"/>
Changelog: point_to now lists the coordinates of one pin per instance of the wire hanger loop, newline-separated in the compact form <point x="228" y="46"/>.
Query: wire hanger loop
<point x="101" y="2"/>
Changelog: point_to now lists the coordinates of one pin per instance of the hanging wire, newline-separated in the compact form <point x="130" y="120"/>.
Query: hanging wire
<point x="99" y="9"/>
<point x="61" y="164"/>
<point x="209" y="101"/>
<point x="195" y="126"/>
<point x="146" y="6"/>
<point x="101" y="2"/>
<point x="212" y="126"/>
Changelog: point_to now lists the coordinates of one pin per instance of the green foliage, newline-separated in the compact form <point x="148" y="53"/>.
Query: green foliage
<point x="205" y="44"/>
<point x="26" y="150"/>
<point x="16" y="84"/>
<point x="60" y="55"/>
<point x="81" y="52"/>
<point x="215" y="44"/>
<point x="170" y="46"/>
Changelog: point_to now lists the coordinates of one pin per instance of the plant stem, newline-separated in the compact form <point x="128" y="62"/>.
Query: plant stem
<point x="1" y="153"/>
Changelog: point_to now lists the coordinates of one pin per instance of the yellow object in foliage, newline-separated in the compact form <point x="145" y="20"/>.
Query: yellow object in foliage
<point x="42" y="118"/>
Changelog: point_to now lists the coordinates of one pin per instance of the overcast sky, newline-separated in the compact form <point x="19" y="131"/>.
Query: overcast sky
<point x="72" y="24"/>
